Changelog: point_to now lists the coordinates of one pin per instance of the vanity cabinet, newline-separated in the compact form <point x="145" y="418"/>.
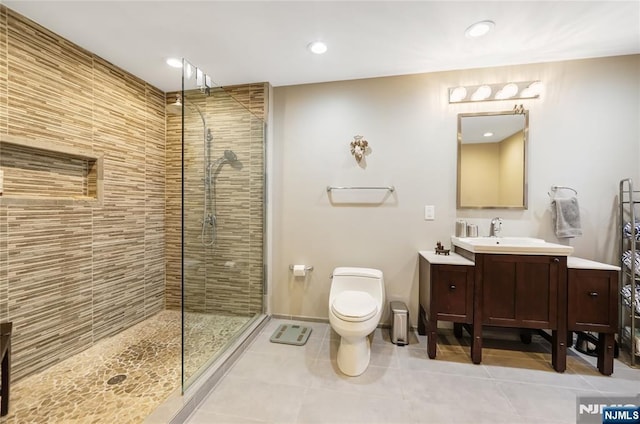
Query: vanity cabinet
<point x="544" y="292"/>
<point x="593" y="305"/>
<point x="446" y="294"/>
<point x="593" y="300"/>
<point x="522" y="291"/>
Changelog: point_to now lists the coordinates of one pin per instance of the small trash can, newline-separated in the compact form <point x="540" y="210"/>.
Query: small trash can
<point x="399" y="323"/>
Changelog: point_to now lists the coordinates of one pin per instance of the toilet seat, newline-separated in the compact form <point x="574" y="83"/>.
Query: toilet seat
<point x="354" y="306"/>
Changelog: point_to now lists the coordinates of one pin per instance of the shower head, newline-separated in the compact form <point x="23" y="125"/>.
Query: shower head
<point x="175" y="108"/>
<point x="230" y="156"/>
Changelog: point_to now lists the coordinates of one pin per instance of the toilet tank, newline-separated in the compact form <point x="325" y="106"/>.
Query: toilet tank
<point x="361" y="279"/>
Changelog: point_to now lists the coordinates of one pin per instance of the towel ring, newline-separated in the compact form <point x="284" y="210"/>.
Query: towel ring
<point x="555" y="188"/>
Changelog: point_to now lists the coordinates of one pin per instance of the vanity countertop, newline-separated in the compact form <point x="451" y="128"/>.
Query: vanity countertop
<point x="450" y="259"/>
<point x="511" y="246"/>
<point x="579" y="263"/>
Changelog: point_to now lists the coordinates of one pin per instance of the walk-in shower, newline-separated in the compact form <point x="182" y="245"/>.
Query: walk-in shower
<point x="215" y="164"/>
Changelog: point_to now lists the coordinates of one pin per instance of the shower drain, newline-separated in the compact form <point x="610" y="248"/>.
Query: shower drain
<point x="117" y="379"/>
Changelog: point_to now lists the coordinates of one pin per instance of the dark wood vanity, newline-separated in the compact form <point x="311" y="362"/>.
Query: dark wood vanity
<point x="446" y="294"/>
<point x="528" y="292"/>
<point x="592" y="294"/>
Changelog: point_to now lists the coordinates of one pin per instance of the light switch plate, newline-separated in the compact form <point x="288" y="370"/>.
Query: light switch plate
<point x="429" y="212"/>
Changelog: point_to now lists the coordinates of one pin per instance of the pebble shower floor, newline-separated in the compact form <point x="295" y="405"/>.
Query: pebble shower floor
<point x="123" y="378"/>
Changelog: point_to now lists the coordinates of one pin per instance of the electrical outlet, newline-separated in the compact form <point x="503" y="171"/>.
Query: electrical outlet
<point x="429" y="212"/>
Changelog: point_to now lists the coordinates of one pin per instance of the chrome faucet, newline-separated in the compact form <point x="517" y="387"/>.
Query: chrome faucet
<point x="496" y="226"/>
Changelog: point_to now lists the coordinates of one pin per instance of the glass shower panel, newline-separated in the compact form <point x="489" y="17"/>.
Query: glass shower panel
<point x="223" y="216"/>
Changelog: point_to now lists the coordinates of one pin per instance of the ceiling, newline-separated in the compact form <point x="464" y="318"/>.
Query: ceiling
<point x="237" y="42"/>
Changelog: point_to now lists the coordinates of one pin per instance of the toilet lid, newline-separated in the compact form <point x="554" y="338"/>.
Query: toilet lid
<point x="354" y="306"/>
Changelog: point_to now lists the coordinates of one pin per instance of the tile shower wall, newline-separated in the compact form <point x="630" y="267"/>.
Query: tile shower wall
<point x="227" y="276"/>
<point x="73" y="274"/>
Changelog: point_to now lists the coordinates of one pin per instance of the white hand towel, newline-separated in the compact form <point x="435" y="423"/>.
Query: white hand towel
<point x="566" y="217"/>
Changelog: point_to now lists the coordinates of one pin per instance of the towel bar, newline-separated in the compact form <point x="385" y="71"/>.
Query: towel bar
<point x="557" y="187"/>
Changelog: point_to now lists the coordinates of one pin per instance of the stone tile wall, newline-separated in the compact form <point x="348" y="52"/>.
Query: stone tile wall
<point x="72" y="274"/>
<point x="226" y="277"/>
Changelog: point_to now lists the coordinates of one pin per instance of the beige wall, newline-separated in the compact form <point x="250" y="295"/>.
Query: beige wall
<point x="481" y="167"/>
<point x="584" y="133"/>
<point x="72" y="274"/>
<point x="511" y="170"/>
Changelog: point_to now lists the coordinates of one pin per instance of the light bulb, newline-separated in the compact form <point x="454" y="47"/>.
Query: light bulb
<point x="533" y="90"/>
<point x="481" y="93"/>
<point x="507" y="91"/>
<point x="457" y="94"/>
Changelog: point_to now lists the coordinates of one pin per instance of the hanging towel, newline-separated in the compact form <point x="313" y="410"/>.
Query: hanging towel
<point x="565" y="213"/>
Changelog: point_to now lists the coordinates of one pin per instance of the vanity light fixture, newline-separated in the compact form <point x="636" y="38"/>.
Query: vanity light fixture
<point x="508" y="91"/>
<point x="457" y="94"/>
<point x="317" y="47"/>
<point x="532" y="90"/>
<point x="481" y="93"/>
<point x="490" y="92"/>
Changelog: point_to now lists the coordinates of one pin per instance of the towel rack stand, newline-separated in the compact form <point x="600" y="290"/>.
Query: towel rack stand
<point x="390" y="188"/>
<point x="557" y="187"/>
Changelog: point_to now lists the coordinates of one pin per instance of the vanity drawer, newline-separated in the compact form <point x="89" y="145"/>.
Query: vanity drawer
<point x="592" y="300"/>
<point x="452" y="291"/>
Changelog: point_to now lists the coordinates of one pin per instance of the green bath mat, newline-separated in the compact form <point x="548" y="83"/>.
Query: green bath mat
<point x="291" y="334"/>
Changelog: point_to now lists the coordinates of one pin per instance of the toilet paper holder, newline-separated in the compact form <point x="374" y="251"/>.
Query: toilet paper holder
<point x="306" y="267"/>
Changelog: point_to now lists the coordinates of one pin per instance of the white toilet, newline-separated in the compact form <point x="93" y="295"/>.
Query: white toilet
<point x="356" y="302"/>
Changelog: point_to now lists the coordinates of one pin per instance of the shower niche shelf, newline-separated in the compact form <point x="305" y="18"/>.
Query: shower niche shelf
<point x="44" y="173"/>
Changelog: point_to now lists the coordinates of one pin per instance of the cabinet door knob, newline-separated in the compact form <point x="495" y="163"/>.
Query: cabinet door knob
<point x="556" y="260"/>
<point x="452" y="287"/>
<point x="593" y="294"/>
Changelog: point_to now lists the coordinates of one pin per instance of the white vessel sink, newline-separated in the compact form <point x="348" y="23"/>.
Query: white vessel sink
<point x="511" y="245"/>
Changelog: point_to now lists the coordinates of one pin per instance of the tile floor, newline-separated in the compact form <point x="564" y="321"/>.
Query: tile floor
<point x="276" y="383"/>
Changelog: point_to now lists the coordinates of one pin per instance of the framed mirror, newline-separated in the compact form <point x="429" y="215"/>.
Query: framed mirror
<point x="492" y="160"/>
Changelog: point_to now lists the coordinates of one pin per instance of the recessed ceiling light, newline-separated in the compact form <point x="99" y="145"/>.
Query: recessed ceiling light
<point x="317" y="47"/>
<point x="488" y="134"/>
<point x="479" y="29"/>
<point x="174" y="63"/>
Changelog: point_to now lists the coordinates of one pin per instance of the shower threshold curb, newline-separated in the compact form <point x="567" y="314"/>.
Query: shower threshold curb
<point x="179" y="406"/>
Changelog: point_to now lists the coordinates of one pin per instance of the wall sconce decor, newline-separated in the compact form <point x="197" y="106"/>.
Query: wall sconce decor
<point x="359" y="147"/>
<point x="491" y="92"/>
